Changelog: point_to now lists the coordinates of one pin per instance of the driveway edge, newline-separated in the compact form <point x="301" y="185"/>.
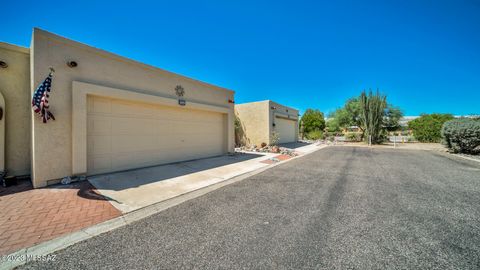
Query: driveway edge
<point x="459" y="158"/>
<point x="40" y="251"/>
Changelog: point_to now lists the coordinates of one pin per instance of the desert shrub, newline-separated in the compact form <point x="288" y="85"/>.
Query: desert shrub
<point x="353" y="137"/>
<point x="330" y="134"/>
<point x="274" y="138"/>
<point x="462" y="135"/>
<point x="427" y="128"/>
<point x="314" y="135"/>
<point x="240" y="138"/>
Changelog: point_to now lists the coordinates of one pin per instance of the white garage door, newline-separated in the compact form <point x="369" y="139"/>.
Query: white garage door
<point x="286" y="130"/>
<point x="124" y="135"/>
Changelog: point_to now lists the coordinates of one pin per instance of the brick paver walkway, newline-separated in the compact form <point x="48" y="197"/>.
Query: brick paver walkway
<point x="279" y="157"/>
<point x="30" y="216"/>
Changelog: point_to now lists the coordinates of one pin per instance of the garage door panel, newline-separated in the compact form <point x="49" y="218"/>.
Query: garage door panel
<point x="122" y="161"/>
<point x="131" y="109"/>
<point x="100" y="163"/>
<point x="131" y="143"/>
<point x="132" y="126"/>
<point x="99" y="105"/>
<point x="98" y="125"/>
<point x="127" y="135"/>
<point x="286" y="130"/>
<point x="98" y="145"/>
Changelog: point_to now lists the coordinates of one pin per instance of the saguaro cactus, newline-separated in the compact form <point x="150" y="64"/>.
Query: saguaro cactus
<point x="372" y="112"/>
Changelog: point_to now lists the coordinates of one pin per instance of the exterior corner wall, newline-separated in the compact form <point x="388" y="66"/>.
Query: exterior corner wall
<point x="15" y="87"/>
<point x="254" y="122"/>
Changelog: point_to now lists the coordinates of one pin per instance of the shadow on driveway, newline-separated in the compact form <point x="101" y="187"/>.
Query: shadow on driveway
<point x="294" y="145"/>
<point x="138" y="177"/>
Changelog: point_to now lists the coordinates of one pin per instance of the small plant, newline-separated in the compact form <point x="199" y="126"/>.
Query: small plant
<point x="274" y="138"/>
<point x="353" y="137"/>
<point x="462" y="135"/>
<point x="314" y="135"/>
<point x="240" y="139"/>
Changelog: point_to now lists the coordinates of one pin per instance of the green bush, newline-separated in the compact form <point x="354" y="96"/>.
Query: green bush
<point x="312" y="120"/>
<point x="314" y="135"/>
<point x="462" y="135"/>
<point x="274" y="138"/>
<point x="427" y="128"/>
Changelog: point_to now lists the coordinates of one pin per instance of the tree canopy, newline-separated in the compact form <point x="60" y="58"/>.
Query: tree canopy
<point x="392" y="117"/>
<point x="427" y="128"/>
<point x="353" y="113"/>
<point x="312" y="120"/>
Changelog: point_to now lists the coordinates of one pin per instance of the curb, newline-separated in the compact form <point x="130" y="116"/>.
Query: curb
<point x="41" y="250"/>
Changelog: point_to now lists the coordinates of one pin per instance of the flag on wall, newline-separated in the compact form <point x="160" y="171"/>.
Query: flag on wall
<point x="40" y="99"/>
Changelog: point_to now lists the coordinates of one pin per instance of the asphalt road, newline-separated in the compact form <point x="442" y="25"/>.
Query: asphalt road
<point x="338" y="208"/>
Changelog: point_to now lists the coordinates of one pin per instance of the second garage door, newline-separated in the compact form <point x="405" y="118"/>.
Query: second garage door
<point x="124" y="135"/>
<point x="286" y="129"/>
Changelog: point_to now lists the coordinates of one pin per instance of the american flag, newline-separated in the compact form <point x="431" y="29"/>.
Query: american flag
<point x="40" y="99"/>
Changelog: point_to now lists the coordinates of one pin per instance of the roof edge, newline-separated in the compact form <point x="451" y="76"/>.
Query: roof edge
<point x="15" y="48"/>
<point x="105" y="53"/>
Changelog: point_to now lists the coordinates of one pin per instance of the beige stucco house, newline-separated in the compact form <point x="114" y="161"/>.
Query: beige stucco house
<point x="112" y="113"/>
<point x="258" y="121"/>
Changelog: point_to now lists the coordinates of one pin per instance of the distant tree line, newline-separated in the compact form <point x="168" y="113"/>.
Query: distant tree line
<point x="369" y="112"/>
<point x="373" y="117"/>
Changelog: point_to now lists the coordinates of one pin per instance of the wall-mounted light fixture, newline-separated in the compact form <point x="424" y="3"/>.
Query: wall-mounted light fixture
<point x="3" y="64"/>
<point x="72" y="64"/>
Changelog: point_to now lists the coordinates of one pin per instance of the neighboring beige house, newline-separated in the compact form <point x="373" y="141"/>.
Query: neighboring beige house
<point x="112" y="113"/>
<point x="258" y="121"/>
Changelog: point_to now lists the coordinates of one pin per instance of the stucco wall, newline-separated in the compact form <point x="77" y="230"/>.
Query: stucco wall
<point x="15" y="87"/>
<point x="254" y="121"/>
<point x="52" y="142"/>
<point x="284" y="112"/>
<point x="257" y="120"/>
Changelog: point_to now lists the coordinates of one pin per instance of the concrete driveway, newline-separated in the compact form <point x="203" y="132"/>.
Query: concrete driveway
<point x="134" y="189"/>
<point x="338" y="208"/>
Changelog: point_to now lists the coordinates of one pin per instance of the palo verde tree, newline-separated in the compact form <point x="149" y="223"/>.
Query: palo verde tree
<point x="391" y="119"/>
<point x="373" y="107"/>
<point x="350" y="114"/>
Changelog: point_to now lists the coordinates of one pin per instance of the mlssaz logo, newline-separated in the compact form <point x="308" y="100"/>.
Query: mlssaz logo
<point x="179" y="91"/>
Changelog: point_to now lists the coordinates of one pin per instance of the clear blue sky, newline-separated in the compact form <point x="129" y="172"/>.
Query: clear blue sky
<point x="425" y="55"/>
